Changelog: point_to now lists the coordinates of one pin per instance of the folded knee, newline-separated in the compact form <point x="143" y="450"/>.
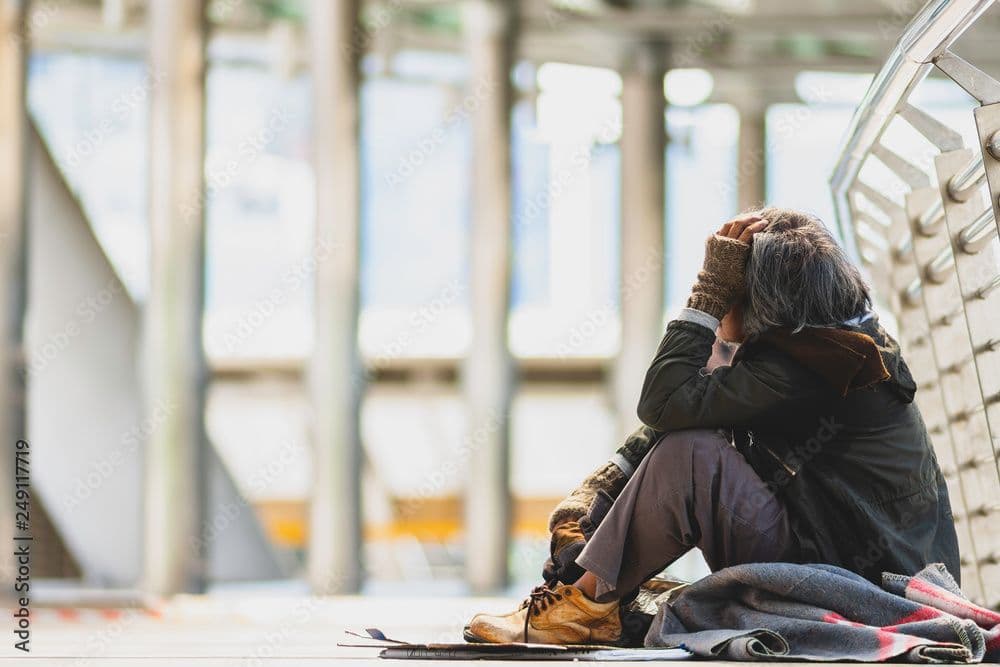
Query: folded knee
<point x="684" y="453"/>
<point x="701" y="439"/>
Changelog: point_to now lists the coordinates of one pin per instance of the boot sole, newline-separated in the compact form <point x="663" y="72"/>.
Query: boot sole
<point x="475" y="639"/>
<point x="471" y="638"/>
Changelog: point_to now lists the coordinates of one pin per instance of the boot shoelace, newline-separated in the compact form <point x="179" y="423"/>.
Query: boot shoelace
<point x="538" y="600"/>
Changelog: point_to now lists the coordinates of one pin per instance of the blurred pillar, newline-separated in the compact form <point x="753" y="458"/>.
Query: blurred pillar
<point x="174" y="364"/>
<point x="13" y="214"/>
<point x="751" y="156"/>
<point x="490" y="33"/>
<point x="643" y="213"/>
<point x="336" y="377"/>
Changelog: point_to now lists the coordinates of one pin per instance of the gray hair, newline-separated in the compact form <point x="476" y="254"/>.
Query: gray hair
<point x="798" y="276"/>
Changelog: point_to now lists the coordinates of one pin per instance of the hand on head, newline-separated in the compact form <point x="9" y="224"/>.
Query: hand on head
<point x="743" y="227"/>
<point x="721" y="279"/>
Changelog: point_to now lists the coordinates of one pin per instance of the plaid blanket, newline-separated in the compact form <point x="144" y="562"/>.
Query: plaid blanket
<point x="763" y="611"/>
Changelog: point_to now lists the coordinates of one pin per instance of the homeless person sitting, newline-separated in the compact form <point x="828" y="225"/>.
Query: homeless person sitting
<point x="807" y="448"/>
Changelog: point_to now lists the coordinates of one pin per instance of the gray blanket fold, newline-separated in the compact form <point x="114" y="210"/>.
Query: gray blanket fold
<point x="765" y="611"/>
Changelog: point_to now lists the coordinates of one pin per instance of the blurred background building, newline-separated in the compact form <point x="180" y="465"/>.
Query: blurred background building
<point x="348" y="294"/>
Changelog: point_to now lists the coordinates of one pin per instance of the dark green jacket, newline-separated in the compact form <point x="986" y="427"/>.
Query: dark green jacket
<point x="857" y="472"/>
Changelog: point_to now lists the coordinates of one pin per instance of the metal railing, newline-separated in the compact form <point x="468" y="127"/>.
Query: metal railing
<point x="935" y="264"/>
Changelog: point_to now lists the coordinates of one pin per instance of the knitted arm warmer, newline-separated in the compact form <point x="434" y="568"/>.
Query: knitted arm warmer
<point x="721" y="279"/>
<point x="608" y="477"/>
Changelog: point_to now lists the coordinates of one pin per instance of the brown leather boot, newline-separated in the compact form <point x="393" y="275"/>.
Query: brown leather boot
<point x="563" y="615"/>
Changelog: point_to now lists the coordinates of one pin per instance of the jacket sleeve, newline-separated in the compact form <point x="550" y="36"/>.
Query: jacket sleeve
<point x="678" y="394"/>
<point x="636" y="446"/>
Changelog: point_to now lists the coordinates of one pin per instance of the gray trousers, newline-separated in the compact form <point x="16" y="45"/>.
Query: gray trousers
<point x="693" y="489"/>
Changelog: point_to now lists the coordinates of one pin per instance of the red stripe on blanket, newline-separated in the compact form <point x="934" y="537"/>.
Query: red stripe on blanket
<point x="890" y="642"/>
<point x="924" y="613"/>
<point x="951" y="603"/>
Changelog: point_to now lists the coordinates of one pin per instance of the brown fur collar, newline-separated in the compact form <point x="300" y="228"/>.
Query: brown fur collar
<point x="846" y="359"/>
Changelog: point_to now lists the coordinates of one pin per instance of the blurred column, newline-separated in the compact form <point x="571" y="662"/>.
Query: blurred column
<point x="490" y="33"/>
<point x="751" y="156"/>
<point x="13" y="214"/>
<point x="175" y="373"/>
<point x="643" y="192"/>
<point x="336" y="377"/>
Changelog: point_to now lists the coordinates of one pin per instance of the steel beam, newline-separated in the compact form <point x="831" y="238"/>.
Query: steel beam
<point x="336" y="376"/>
<point x="488" y="380"/>
<point x="13" y="215"/>
<point x="174" y="398"/>
<point x="643" y="218"/>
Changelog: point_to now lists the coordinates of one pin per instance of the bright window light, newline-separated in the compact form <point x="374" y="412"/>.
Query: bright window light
<point x="688" y="87"/>
<point x="579" y="80"/>
<point x="578" y="104"/>
<point x="831" y="87"/>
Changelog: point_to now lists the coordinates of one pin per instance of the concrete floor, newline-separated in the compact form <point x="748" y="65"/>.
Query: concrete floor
<point x="241" y="630"/>
<point x="238" y="630"/>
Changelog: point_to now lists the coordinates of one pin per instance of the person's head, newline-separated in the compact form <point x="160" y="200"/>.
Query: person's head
<point x="797" y="276"/>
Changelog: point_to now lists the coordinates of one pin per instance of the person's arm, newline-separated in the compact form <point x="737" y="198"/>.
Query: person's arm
<point x="677" y="393"/>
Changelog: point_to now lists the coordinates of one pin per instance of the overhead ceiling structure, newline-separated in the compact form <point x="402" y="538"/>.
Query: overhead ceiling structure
<point x="746" y="44"/>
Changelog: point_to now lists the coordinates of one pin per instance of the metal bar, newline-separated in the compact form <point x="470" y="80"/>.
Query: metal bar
<point x="965" y="183"/>
<point x="932" y="30"/>
<point x="974" y="237"/>
<point x="909" y="173"/>
<point x="13" y="225"/>
<point x="940" y="134"/>
<point x="988" y="129"/>
<point x="488" y="383"/>
<point x="643" y="183"/>
<point x="902" y="248"/>
<point x="174" y="558"/>
<point x="872" y="237"/>
<point x="993" y="145"/>
<point x="911" y="295"/>
<point x="951" y="346"/>
<point x="972" y="231"/>
<point x="336" y="377"/>
<point x="974" y="81"/>
<point x="930" y="221"/>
